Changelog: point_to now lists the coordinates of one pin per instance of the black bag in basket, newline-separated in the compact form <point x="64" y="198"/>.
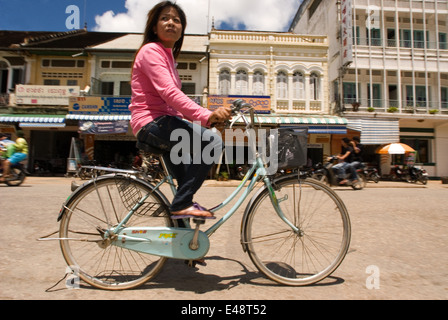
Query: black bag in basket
<point x="291" y="145"/>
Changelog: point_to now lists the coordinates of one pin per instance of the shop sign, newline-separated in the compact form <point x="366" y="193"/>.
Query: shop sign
<point x="346" y="32"/>
<point x="45" y="95"/>
<point x="99" y="106"/>
<point x="261" y="104"/>
<point x="102" y="127"/>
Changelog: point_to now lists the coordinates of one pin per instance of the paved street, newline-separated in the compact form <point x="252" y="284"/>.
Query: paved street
<point x="398" y="250"/>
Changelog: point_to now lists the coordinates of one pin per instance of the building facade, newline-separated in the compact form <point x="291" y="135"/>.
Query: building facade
<point x="388" y="62"/>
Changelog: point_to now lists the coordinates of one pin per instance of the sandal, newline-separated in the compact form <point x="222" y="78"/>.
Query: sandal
<point x="195" y="211"/>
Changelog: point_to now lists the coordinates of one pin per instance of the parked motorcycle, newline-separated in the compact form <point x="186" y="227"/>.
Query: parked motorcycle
<point x="417" y="175"/>
<point x="17" y="175"/>
<point x="325" y="173"/>
<point x="371" y="174"/>
<point x="399" y="174"/>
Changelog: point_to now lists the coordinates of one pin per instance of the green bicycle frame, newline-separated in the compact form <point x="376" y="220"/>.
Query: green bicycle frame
<point x="257" y="171"/>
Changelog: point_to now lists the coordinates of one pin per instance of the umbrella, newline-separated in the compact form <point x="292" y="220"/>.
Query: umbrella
<point x="394" y="148"/>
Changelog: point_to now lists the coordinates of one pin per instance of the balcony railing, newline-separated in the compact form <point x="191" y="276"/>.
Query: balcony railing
<point x="392" y="43"/>
<point x="394" y="106"/>
<point x="415" y="5"/>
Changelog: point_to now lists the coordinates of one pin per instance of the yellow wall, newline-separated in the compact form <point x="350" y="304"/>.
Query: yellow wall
<point x="39" y="73"/>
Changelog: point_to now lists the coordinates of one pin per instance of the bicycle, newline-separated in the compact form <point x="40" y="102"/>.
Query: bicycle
<point x="117" y="233"/>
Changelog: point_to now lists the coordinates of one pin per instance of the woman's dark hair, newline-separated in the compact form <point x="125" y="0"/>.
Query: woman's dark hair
<point x="153" y="19"/>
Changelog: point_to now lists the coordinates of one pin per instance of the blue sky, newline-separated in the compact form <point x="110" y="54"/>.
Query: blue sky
<point x="49" y="15"/>
<point x="130" y="15"/>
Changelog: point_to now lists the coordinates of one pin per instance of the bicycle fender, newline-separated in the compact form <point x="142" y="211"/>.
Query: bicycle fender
<point x="253" y="200"/>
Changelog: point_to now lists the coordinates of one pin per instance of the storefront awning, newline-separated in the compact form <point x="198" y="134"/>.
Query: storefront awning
<point x="36" y="121"/>
<point x="83" y="117"/>
<point x="315" y="124"/>
<point x="376" y="131"/>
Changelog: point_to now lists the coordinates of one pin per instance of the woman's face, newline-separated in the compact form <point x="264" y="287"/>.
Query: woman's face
<point x="169" y="27"/>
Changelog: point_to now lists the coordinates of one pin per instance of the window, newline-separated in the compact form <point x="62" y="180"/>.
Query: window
<point x="357" y="36"/>
<point x="442" y="41"/>
<point x="72" y="82"/>
<point x="122" y="64"/>
<point x="282" y="85"/>
<point x="258" y="83"/>
<point x="298" y="83"/>
<point x="406" y="38"/>
<point x="189" y="88"/>
<point x="391" y="38"/>
<point x="422" y="146"/>
<point x="376" y="92"/>
<point x="444" y="96"/>
<point x="350" y="95"/>
<point x="62" y="63"/>
<point x="373" y="37"/>
<point x="116" y="64"/>
<point x="125" y="88"/>
<point x="241" y="82"/>
<point x="314" y="87"/>
<point x="419" y="38"/>
<point x="17" y="77"/>
<point x="107" y="88"/>
<point x="224" y="83"/>
<point x="52" y="82"/>
<point x="420" y="93"/>
<point x="187" y="66"/>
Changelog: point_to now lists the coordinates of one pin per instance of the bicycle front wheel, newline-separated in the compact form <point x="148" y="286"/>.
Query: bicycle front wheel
<point x="304" y="257"/>
<point x="96" y="208"/>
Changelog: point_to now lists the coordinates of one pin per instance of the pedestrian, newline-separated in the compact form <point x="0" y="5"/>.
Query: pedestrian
<point x="159" y="107"/>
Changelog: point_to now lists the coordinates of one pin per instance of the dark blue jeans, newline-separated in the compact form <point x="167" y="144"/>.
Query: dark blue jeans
<point x="193" y="151"/>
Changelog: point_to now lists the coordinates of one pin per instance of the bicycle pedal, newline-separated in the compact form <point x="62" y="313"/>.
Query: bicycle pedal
<point x="199" y="221"/>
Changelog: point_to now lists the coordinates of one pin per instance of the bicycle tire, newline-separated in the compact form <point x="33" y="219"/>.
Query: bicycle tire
<point x="297" y="259"/>
<point x="18" y="176"/>
<point x="83" y="220"/>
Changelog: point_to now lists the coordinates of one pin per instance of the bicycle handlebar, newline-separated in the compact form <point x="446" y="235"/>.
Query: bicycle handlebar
<point x="239" y="104"/>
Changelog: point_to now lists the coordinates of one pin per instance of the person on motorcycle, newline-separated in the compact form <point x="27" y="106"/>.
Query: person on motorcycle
<point x="345" y="158"/>
<point x="356" y="163"/>
<point x="19" y="154"/>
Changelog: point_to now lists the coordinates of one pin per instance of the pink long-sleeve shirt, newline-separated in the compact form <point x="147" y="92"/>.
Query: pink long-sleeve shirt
<point x="156" y="89"/>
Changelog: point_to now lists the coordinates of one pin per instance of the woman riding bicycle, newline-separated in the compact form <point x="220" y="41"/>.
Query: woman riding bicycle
<point x="159" y="106"/>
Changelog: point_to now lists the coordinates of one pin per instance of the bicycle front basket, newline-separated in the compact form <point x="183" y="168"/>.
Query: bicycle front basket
<point x="287" y="147"/>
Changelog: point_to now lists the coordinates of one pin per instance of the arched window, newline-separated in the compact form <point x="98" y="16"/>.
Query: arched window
<point x="314" y="86"/>
<point x="241" y="83"/>
<point x="224" y="82"/>
<point x="282" y="85"/>
<point x="298" y="86"/>
<point x="258" y="83"/>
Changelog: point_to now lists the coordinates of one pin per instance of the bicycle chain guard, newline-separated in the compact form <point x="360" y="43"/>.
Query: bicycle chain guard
<point x="163" y="241"/>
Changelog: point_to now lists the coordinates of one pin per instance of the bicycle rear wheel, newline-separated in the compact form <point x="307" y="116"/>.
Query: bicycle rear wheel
<point x="99" y="206"/>
<point x="302" y="258"/>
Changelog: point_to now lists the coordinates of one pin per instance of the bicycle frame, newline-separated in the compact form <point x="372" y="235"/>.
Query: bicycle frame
<point x="258" y="172"/>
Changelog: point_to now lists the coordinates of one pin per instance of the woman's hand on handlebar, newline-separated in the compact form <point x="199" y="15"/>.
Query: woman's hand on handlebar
<point x="220" y="116"/>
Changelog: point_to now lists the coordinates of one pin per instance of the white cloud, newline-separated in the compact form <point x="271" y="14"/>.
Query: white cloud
<point x="262" y="15"/>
